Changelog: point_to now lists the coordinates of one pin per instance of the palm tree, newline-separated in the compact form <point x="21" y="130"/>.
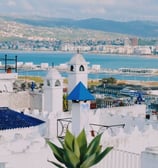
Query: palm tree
<point x="75" y="152"/>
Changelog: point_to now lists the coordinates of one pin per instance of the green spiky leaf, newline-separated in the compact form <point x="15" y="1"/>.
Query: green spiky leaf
<point x="93" y="146"/>
<point x="76" y="148"/>
<point x="82" y="143"/>
<point x="98" y="150"/>
<point x="58" y="152"/>
<point x="69" y="140"/>
<point x="102" y="155"/>
<point x="88" y="162"/>
<point x="71" y="157"/>
<point x="56" y="164"/>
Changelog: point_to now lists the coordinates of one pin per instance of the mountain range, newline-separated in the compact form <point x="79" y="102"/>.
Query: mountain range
<point x="135" y="28"/>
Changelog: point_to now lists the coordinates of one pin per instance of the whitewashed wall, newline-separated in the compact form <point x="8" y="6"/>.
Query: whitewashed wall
<point x="6" y="81"/>
<point x="36" y="101"/>
<point x="120" y="159"/>
<point x="129" y="115"/>
<point x="15" y="100"/>
<point x="149" y="158"/>
<point x="21" y="100"/>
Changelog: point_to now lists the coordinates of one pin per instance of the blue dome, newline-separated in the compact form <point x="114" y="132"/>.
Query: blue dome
<point x="10" y="119"/>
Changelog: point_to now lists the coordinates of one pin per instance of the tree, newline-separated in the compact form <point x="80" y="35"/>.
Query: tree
<point x="75" y="152"/>
<point x="110" y="80"/>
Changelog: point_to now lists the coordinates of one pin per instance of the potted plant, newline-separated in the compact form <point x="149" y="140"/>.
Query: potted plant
<point x="75" y="152"/>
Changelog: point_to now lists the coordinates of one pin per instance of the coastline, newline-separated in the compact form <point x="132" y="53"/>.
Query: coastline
<point x="73" y="52"/>
<point x="107" y="60"/>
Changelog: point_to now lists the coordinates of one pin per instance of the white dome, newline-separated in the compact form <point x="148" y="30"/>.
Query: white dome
<point x="53" y="74"/>
<point x="77" y="59"/>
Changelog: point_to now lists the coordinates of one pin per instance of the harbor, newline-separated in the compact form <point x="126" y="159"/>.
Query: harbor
<point x="121" y="67"/>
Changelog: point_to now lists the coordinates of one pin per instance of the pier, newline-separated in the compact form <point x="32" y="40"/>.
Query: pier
<point x="127" y="71"/>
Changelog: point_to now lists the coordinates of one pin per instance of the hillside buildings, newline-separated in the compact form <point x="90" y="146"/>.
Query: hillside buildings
<point x="109" y="49"/>
<point x="127" y="46"/>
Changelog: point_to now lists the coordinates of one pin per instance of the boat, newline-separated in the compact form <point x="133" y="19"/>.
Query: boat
<point x="129" y="92"/>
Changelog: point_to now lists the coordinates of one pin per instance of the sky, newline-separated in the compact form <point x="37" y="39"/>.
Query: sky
<point x="121" y="10"/>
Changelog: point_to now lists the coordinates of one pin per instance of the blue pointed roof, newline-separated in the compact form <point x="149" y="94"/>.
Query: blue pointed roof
<point x="80" y="93"/>
<point x="10" y="119"/>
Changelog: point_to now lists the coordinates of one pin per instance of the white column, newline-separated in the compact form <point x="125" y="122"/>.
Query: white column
<point x="80" y="117"/>
<point x="52" y="126"/>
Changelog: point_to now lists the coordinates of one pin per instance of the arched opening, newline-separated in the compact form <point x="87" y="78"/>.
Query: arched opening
<point x="81" y="68"/>
<point x="48" y="82"/>
<point x="71" y="68"/>
<point x="57" y="83"/>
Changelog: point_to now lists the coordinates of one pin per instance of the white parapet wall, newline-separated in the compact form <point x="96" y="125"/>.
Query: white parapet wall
<point x="6" y="81"/>
<point x="22" y="100"/>
<point x="131" y="116"/>
<point x="131" y="111"/>
<point x="36" y="100"/>
<point x="149" y="158"/>
<point x="13" y="100"/>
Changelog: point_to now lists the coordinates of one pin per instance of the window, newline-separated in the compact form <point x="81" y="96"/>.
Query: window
<point x="48" y="82"/>
<point x="81" y="68"/>
<point x="57" y="83"/>
<point x="71" y="68"/>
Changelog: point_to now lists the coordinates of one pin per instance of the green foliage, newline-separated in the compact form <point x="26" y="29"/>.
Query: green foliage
<point x="110" y="80"/>
<point x="65" y="102"/>
<point x="76" y="153"/>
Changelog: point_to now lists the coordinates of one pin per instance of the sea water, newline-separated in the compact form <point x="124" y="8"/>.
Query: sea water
<point x="104" y="60"/>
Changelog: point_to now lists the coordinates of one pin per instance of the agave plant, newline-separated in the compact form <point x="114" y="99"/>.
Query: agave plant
<point x="75" y="152"/>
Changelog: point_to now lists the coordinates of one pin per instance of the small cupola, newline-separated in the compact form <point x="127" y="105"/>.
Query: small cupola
<point x="79" y="60"/>
<point x="53" y="78"/>
<point x="77" y="71"/>
<point x="80" y="97"/>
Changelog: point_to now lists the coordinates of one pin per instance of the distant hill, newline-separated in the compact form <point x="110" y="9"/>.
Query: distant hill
<point x="134" y="28"/>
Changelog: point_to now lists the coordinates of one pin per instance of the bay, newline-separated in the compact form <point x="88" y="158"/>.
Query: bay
<point x="105" y="61"/>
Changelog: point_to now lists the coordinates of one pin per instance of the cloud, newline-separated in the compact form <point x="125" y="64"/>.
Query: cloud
<point x="19" y="7"/>
<point x="11" y="3"/>
<point x="107" y="9"/>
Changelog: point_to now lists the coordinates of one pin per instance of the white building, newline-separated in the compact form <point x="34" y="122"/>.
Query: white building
<point x="125" y="128"/>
